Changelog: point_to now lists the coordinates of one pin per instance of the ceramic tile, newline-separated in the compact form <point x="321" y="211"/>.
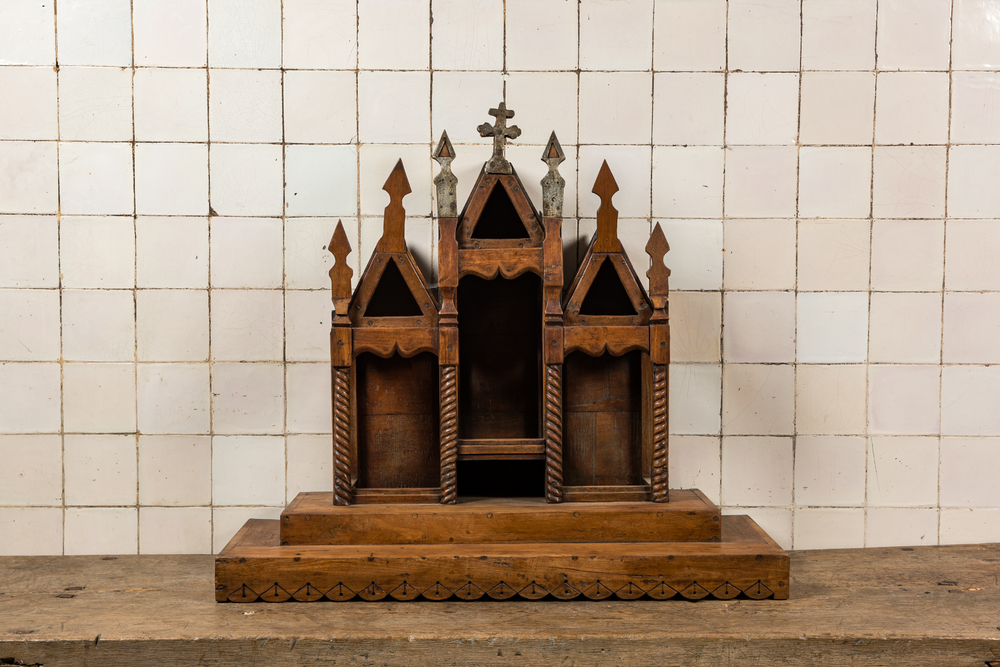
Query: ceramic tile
<point x="248" y="470"/>
<point x="971" y="325"/>
<point x="381" y="98"/>
<point x="99" y="398"/>
<point x="775" y="521"/>
<point x="95" y="103"/>
<point x="838" y="34"/>
<point x="975" y="44"/>
<point x="695" y="326"/>
<point x="615" y="35"/>
<point x="246" y="252"/>
<point x="175" y="470"/>
<point x="696" y="463"/>
<point x="764" y="35"/>
<point x="969" y="526"/>
<point x="468" y="35"/>
<point x="830" y="400"/>
<point x="759" y="327"/>
<point x="758" y="399"/>
<point x="309" y="398"/>
<point x="27" y="33"/>
<point x="100" y="469"/>
<point x="227" y="520"/>
<point x="544" y="102"/>
<point x="101" y="530"/>
<point x="95" y="32"/>
<point x="912" y="108"/>
<point x="244" y="33"/>
<point x="246" y="325"/>
<point x="170" y="35"/>
<point x="320" y="107"/>
<point x="394" y="39"/>
<point x="904" y="400"/>
<point x="97" y="252"/>
<point x="173" y="398"/>
<point x="29" y="251"/>
<point x="913" y="34"/>
<point x="307" y="325"/>
<point x="837" y="107"/>
<point x="756" y="471"/>
<point x="459" y="97"/>
<point x="826" y="528"/>
<point x="171" y="325"/>
<point x="832" y="327"/>
<point x="310" y="465"/>
<point x="541" y="35"/>
<point x="971" y="262"/>
<point x="615" y="107"/>
<point x="968" y="397"/>
<point x="835" y="182"/>
<point x="688" y="108"/>
<point x="319" y="35"/>
<point x="307" y="260"/>
<point x="171" y="252"/>
<point x="967" y="471"/>
<point x="29" y="325"/>
<point x="885" y="527"/>
<point x="29" y="398"/>
<point x="689" y="35"/>
<point x="829" y="471"/>
<point x="687" y="181"/>
<point x="31" y="531"/>
<point x="971" y="171"/>
<point x="975" y="118"/>
<point x="694" y="399"/>
<point x="761" y="181"/>
<point x="248" y="398"/>
<point x="909" y="182"/>
<point x="695" y="258"/>
<point x="631" y="168"/>
<point x="905" y="328"/>
<point x="95" y="178"/>
<point x="30" y="180"/>
<point x="907" y="255"/>
<point x="246" y="179"/>
<point x="759" y="254"/>
<point x="172" y="104"/>
<point x="762" y="108"/>
<point x="902" y="471"/>
<point x="98" y="325"/>
<point x="834" y="254"/>
<point x="185" y="166"/>
<point x="175" y="530"/>
<point x="309" y="170"/>
<point x="28" y="111"/>
<point x="32" y="474"/>
<point x="245" y="105"/>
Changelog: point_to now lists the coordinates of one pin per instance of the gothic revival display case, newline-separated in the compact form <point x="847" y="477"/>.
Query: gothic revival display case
<point x="499" y="435"/>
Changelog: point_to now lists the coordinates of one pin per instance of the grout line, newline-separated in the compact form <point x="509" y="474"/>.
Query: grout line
<point x="135" y="294"/>
<point x="59" y="281"/>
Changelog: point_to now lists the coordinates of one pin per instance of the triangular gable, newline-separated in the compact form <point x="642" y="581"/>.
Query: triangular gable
<point x="606" y="290"/>
<point x="496" y="211"/>
<point x="392" y="291"/>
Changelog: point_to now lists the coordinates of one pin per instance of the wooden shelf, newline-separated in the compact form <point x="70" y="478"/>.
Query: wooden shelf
<point x="510" y="449"/>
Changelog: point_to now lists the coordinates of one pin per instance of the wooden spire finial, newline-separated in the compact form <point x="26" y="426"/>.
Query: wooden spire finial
<point x="340" y="273"/>
<point x="447" y="198"/>
<point x="501" y="133"/>
<point x="394" y="220"/>
<point x="607" y="216"/>
<point x="658" y="272"/>
<point x="553" y="184"/>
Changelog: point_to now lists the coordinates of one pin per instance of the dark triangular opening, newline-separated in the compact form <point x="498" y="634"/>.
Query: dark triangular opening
<point x="607" y="295"/>
<point x="392" y="297"/>
<point x="499" y="219"/>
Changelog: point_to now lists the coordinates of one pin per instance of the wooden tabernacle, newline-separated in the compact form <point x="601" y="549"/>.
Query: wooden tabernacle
<point x="497" y="436"/>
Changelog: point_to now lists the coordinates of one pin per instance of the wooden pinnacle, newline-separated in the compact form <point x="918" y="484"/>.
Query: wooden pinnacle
<point x="607" y="215"/>
<point x="340" y="273"/>
<point x="658" y="273"/>
<point x="394" y="220"/>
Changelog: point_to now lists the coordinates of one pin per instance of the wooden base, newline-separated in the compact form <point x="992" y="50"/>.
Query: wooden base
<point x="399" y="551"/>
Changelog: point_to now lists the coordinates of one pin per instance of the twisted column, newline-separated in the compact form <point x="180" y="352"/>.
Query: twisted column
<point x="553" y="434"/>
<point x="341" y="435"/>
<point x="449" y="434"/>
<point x="659" y="433"/>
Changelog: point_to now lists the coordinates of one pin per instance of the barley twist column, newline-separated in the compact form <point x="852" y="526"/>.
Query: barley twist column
<point x="341" y="435"/>
<point x="660" y="433"/>
<point x="449" y="434"/>
<point x="553" y="434"/>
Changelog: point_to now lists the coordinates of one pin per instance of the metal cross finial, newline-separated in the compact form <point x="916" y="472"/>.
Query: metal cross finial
<point x="500" y="133"/>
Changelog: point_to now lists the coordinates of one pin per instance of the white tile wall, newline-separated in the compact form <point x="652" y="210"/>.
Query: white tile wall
<point x="170" y="174"/>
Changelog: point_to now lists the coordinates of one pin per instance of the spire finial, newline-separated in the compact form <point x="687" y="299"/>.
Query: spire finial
<point x="394" y="220"/>
<point x="658" y="273"/>
<point x="607" y="215"/>
<point x="553" y="184"/>
<point x="340" y="273"/>
<point x="500" y="132"/>
<point x="446" y="181"/>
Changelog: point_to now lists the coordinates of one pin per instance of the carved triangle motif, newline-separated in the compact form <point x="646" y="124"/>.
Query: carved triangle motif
<point x="392" y="296"/>
<point x="607" y="295"/>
